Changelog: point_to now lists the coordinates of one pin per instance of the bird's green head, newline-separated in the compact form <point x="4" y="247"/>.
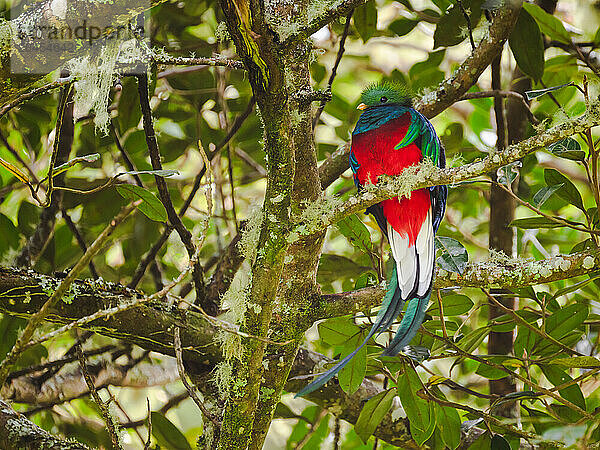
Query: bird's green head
<point x="385" y="93"/>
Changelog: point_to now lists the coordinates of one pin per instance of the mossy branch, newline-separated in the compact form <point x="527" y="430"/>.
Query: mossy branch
<point x="498" y="271"/>
<point x="16" y="431"/>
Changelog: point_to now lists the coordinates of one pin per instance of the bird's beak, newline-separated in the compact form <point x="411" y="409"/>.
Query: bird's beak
<point x="362" y="107"/>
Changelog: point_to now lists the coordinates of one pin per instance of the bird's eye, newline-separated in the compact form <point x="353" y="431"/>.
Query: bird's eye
<point x="383" y="99"/>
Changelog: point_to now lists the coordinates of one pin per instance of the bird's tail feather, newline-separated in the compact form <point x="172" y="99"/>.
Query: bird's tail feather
<point x="411" y="321"/>
<point x="390" y="308"/>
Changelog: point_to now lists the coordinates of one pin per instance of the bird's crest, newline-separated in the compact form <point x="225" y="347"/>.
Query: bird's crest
<point x="386" y="93"/>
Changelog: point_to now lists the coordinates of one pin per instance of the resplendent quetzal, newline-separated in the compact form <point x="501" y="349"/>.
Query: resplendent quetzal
<point x="389" y="136"/>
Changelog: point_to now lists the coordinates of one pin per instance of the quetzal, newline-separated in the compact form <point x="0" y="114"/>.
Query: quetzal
<point x="389" y="136"/>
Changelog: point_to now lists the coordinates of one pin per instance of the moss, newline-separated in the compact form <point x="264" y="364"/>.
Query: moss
<point x="249" y="240"/>
<point x="95" y="79"/>
<point x="223" y="378"/>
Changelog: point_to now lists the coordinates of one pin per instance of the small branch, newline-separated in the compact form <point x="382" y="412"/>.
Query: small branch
<point x="518" y="319"/>
<point x="16" y="431"/>
<point x="216" y="60"/>
<point x="324" y="17"/>
<point x="151" y="255"/>
<point x="501" y="93"/>
<point x="35" y="93"/>
<point x="149" y="426"/>
<point x="174" y="219"/>
<point x="79" y="239"/>
<point x="102" y="406"/>
<point x="469" y="26"/>
<point x="191" y="389"/>
<point x="338" y="59"/>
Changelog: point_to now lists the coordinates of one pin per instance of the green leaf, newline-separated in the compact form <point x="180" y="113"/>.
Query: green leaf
<point x="454" y="256"/>
<point x="129" y="110"/>
<point x="544" y="194"/>
<point x="491" y="373"/>
<point x="334" y="267"/>
<point x="566" y="319"/>
<point x="550" y="25"/>
<point x="525" y="340"/>
<point x="365" y="279"/>
<point x="539" y="92"/>
<point x="167" y="434"/>
<point x="483" y="442"/>
<point x="535" y="222"/>
<point x="353" y="373"/>
<point x="508" y="173"/>
<point x="499" y="443"/>
<point x="403" y="26"/>
<point x="453" y="305"/>
<point x="472" y="340"/>
<point x="527" y="46"/>
<point x="557" y="377"/>
<point x="337" y="331"/>
<point x="576" y="286"/>
<point x="585" y="362"/>
<point x="365" y="20"/>
<point x="568" y="191"/>
<point x="448" y="422"/>
<point x="373" y="413"/>
<point x="568" y="148"/>
<point x="418" y="410"/>
<point x="10" y="235"/>
<point x="356" y="232"/>
<point x="452" y="26"/>
<point x="9" y="330"/>
<point x="151" y="206"/>
<point x="28" y="218"/>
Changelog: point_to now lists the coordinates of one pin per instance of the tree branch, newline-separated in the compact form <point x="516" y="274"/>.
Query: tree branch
<point x="16" y="431"/>
<point x="505" y="272"/>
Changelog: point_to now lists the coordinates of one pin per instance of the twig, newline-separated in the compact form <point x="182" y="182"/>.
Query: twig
<point x="79" y="239"/>
<point x="103" y="407"/>
<point x="501" y="93"/>
<point x="509" y="372"/>
<point x="184" y="234"/>
<point x="191" y="389"/>
<point x="526" y="324"/>
<point x="149" y="425"/>
<point x="468" y="19"/>
<point x="338" y="59"/>
<point x="200" y="61"/>
<point x="35" y="92"/>
<point x="543" y="214"/>
<point x="58" y="362"/>
<point x="36" y="319"/>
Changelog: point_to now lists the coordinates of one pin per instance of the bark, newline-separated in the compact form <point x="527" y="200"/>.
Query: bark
<point x="17" y="432"/>
<point x="501" y="239"/>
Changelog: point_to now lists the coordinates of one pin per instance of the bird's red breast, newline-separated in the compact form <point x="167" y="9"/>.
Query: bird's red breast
<point x="375" y="153"/>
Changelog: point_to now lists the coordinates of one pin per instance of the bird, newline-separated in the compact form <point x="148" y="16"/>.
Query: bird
<point x="391" y="135"/>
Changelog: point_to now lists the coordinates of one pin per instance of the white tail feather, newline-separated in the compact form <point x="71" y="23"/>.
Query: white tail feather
<point x="425" y="248"/>
<point x="406" y="261"/>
